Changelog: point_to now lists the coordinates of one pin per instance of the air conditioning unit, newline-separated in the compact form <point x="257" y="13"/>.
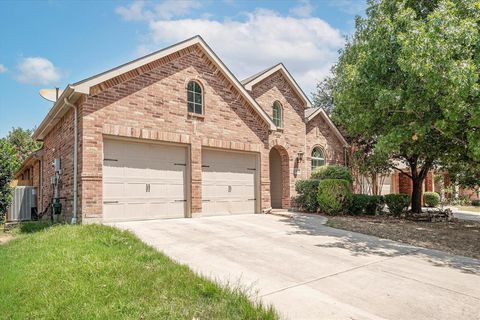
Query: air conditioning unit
<point x="24" y="199"/>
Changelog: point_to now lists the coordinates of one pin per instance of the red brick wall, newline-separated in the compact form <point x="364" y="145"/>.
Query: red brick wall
<point x="320" y="134"/>
<point x="58" y="144"/>
<point x="429" y="182"/>
<point x="405" y="184"/>
<point x="290" y="139"/>
<point x="153" y="105"/>
<point x="150" y="103"/>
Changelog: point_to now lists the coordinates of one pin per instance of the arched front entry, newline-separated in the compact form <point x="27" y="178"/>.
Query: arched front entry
<point x="279" y="178"/>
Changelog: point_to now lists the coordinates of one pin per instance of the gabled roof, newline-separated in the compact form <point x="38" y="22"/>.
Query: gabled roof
<point x="311" y="113"/>
<point x="251" y="81"/>
<point x="83" y="87"/>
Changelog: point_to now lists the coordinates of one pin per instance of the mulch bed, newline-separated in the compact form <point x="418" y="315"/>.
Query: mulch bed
<point x="457" y="237"/>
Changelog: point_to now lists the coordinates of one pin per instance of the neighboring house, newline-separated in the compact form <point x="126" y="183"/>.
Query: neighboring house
<point x="397" y="182"/>
<point x="175" y="134"/>
<point x="29" y="172"/>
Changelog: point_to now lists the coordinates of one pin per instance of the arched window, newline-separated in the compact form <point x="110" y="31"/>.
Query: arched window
<point x="194" y="97"/>
<point x="318" y="158"/>
<point x="277" y="114"/>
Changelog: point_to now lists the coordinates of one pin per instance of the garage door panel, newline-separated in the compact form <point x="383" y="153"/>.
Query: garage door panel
<point x="144" y="180"/>
<point x="168" y="188"/>
<point x="228" y="182"/>
<point x="113" y="190"/>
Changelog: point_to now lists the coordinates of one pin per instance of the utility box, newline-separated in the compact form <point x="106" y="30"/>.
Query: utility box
<point x="24" y="199"/>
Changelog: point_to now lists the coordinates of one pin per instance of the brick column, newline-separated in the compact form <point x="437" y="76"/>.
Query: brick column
<point x="196" y="175"/>
<point x="265" y="179"/>
<point x="429" y="181"/>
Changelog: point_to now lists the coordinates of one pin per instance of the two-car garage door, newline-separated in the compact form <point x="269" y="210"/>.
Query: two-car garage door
<point x="149" y="181"/>
<point x="143" y="180"/>
<point x="228" y="182"/>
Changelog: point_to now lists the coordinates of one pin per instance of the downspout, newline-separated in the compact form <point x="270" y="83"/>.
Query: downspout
<point x="75" y="159"/>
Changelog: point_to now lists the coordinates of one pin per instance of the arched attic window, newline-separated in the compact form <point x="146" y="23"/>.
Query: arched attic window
<point x="318" y="158"/>
<point x="277" y="114"/>
<point x="194" y="97"/>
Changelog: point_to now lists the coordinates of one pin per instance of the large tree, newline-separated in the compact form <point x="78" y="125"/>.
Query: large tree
<point x="408" y="81"/>
<point x="23" y="142"/>
<point x="322" y="97"/>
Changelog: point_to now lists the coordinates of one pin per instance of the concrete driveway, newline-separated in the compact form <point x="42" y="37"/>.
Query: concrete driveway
<point x="310" y="271"/>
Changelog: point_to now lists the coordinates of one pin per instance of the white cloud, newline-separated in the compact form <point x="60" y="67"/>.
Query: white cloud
<point x="307" y="46"/>
<point x="3" y="68"/>
<point x="304" y="9"/>
<point x="167" y="9"/>
<point x="354" y="7"/>
<point x="37" y="70"/>
<point x="135" y="11"/>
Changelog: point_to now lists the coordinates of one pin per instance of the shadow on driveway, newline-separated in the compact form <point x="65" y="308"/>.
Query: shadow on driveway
<point x="360" y="244"/>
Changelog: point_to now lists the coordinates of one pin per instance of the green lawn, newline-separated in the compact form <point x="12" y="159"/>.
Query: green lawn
<point x="98" y="272"/>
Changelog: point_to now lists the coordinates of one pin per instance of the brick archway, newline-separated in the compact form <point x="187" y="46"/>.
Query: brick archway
<point x="279" y="178"/>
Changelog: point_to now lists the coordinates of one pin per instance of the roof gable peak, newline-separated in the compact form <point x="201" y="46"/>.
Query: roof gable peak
<point x="249" y="82"/>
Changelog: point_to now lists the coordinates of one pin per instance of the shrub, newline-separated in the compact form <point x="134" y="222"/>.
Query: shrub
<point x="476" y="203"/>
<point x="307" y="194"/>
<point x="359" y="203"/>
<point x="397" y="202"/>
<point x="334" y="196"/>
<point x="431" y="199"/>
<point x="366" y="204"/>
<point x="375" y="204"/>
<point x="332" y="172"/>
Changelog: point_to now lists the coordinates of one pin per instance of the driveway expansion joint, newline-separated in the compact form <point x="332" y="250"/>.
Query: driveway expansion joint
<point x="337" y="273"/>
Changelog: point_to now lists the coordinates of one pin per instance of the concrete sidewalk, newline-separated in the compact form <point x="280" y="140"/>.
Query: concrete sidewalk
<point x="465" y="215"/>
<point x="310" y="271"/>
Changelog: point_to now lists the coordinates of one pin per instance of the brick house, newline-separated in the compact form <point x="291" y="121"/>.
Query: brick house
<point x="175" y="134"/>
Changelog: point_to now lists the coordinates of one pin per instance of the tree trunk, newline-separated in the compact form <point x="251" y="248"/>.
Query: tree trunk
<point x="417" y="194"/>
<point x="374" y="184"/>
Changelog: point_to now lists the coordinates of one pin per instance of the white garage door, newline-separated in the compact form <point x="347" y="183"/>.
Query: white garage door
<point x="228" y="182"/>
<point x="143" y="181"/>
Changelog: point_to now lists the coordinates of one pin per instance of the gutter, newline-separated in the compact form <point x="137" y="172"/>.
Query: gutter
<point x="75" y="159"/>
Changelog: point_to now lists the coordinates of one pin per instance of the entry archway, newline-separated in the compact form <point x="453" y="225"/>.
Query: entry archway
<point x="279" y="178"/>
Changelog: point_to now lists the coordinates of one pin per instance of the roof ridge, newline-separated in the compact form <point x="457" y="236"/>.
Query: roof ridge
<point x="258" y="74"/>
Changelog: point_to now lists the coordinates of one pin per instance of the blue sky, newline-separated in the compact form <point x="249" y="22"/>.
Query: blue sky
<point x="53" y="43"/>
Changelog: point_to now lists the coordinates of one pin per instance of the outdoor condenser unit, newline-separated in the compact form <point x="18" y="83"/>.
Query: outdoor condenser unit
<point x="24" y="199"/>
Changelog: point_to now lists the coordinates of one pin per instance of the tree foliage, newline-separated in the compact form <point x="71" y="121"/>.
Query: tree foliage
<point x="465" y="174"/>
<point x="323" y="95"/>
<point x="23" y="142"/>
<point x="8" y="165"/>
<point x="408" y="82"/>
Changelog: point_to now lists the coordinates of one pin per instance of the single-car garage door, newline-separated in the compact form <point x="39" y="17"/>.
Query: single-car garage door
<point x="143" y="180"/>
<point x="228" y="182"/>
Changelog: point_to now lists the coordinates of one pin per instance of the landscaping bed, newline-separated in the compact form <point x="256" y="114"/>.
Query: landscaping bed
<point x="458" y="237"/>
<point x="98" y="272"/>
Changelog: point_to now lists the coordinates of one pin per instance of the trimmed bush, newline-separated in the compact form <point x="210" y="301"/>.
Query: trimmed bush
<point x="307" y="194"/>
<point x="431" y="199"/>
<point x="332" y="172"/>
<point x="397" y="203"/>
<point x="366" y="204"/>
<point x="375" y="204"/>
<point x="476" y="203"/>
<point x="334" y="196"/>
<point x="359" y="203"/>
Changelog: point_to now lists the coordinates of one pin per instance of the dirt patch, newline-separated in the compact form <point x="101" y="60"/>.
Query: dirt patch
<point x="459" y="237"/>
<point x="4" y="237"/>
